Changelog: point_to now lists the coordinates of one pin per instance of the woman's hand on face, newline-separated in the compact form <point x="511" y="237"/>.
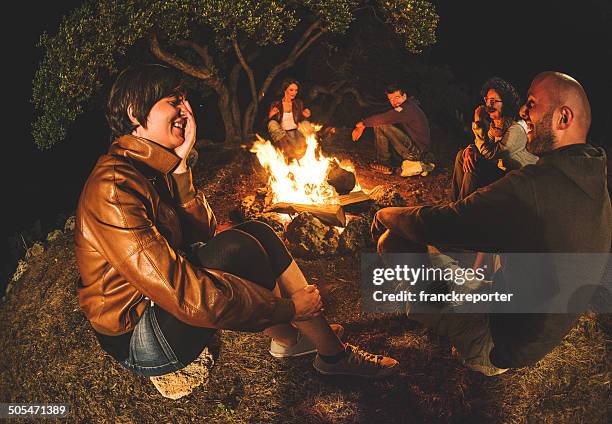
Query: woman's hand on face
<point x="306" y="113"/>
<point x="183" y="150"/>
<point x="307" y="303"/>
<point x="273" y="112"/>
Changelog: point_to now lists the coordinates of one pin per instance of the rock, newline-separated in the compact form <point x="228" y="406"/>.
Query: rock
<point x="274" y="221"/>
<point x="310" y="238"/>
<point x="22" y="267"/>
<point x="182" y="382"/>
<point x="387" y="196"/>
<point x="36" y="249"/>
<point x="356" y="236"/>
<point x="341" y="179"/>
<point x="250" y="207"/>
<point x="55" y="234"/>
<point x="70" y="223"/>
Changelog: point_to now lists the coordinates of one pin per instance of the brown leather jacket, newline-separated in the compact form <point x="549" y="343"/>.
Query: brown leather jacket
<point x="133" y="217"/>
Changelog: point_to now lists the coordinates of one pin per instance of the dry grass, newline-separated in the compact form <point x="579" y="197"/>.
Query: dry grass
<point x="49" y="353"/>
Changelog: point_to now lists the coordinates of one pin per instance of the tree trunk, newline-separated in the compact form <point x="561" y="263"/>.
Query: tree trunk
<point x="233" y="133"/>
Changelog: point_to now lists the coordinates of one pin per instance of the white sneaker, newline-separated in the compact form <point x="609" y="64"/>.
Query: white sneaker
<point x="302" y="347"/>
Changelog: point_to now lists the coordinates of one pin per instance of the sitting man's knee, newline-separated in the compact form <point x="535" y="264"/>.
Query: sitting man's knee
<point x="392" y="243"/>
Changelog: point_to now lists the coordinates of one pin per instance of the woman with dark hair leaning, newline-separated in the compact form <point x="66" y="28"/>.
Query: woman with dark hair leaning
<point x="287" y="121"/>
<point x="139" y="218"/>
<point x="499" y="140"/>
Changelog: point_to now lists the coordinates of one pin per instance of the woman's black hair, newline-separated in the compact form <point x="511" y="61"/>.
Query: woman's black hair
<point x="140" y="86"/>
<point x="508" y="94"/>
<point x="285" y="84"/>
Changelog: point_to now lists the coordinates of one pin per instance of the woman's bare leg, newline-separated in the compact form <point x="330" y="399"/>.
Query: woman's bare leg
<point x="315" y="329"/>
<point x="285" y="334"/>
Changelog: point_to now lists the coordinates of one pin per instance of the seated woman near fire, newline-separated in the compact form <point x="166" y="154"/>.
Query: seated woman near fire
<point x="157" y="280"/>
<point x="288" y="123"/>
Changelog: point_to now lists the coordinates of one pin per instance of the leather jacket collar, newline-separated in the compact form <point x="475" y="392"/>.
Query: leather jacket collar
<point x="145" y="151"/>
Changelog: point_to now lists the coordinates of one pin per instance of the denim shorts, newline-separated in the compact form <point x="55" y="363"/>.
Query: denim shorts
<point x="150" y="354"/>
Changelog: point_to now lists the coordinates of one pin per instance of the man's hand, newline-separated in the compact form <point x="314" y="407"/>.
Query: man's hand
<point x="273" y="112"/>
<point x="183" y="150"/>
<point x="470" y="156"/>
<point x="306" y="113"/>
<point x="307" y="303"/>
<point x="359" y="127"/>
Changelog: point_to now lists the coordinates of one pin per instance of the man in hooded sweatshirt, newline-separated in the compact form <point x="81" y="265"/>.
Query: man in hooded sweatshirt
<point x="556" y="207"/>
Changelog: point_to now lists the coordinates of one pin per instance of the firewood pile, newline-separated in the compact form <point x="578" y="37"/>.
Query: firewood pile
<point x="313" y="231"/>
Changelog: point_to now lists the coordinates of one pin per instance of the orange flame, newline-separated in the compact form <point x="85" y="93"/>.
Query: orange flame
<point x="303" y="181"/>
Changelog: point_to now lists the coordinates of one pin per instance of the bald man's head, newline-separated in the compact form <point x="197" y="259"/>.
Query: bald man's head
<point x="566" y="91"/>
<point x="557" y="112"/>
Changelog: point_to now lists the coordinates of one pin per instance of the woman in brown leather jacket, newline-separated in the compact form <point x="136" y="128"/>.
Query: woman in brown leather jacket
<point x="153" y="299"/>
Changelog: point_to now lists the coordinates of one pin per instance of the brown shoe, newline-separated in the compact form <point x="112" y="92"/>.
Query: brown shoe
<point x="358" y="363"/>
<point x="381" y="168"/>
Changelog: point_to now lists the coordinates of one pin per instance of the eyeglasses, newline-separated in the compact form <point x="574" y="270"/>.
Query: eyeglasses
<point x="491" y="101"/>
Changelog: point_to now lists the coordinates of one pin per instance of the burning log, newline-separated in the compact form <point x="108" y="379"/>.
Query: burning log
<point x="354" y="198"/>
<point x="329" y="214"/>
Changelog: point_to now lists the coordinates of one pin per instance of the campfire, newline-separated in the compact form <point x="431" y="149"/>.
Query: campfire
<point x="303" y="181"/>
<point x="315" y="183"/>
<point x="305" y="199"/>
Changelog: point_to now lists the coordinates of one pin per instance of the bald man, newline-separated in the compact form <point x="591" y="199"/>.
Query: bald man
<point x="560" y="204"/>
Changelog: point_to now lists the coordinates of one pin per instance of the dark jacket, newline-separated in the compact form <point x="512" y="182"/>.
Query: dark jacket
<point x="561" y="204"/>
<point x="133" y="220"/>
<point x="297" y="108"/>
<point x="411" y="119"/>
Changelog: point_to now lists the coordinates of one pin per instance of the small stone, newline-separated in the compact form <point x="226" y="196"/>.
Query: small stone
<point x="70" y="223"/>
<point x="36" y="249"/>
<point x="22" y="267"/>
<point x="53" y="235"/>
<point x="182" y="382"/>
<point x="273" y="220"/>
<point x="387" y="196"/>
<point x="250" y="207"/>
<point x="356" y="236"/>
<point x="309" y="238"/>
<point x="261" y="192"/>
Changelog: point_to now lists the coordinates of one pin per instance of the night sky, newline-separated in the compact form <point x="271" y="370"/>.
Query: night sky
<point x="476" y="40"/>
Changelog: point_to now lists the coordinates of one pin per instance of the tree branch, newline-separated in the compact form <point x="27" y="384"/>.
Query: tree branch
<point x="300" y="46"/>
<point x="180" y="64"/>
<point x="251" y="77"/>
<point x="247" y="69"/>
<point x="202" y="51"/>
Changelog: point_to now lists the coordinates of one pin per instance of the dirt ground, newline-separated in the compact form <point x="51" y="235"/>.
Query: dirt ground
<point x="49" y="353"/>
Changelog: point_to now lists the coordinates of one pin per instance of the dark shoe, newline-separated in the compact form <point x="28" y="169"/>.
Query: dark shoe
<point x="358" y="363"/>
<point x="383" y="169"/>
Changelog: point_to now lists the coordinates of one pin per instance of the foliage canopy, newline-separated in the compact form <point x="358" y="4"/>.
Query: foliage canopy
<point x="214" y="41"/>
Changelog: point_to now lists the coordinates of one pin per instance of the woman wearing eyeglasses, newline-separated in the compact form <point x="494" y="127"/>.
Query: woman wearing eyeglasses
<point x="499" y="140"/>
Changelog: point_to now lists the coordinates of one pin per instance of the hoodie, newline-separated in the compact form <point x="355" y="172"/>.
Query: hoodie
<point x="559" y="205"/>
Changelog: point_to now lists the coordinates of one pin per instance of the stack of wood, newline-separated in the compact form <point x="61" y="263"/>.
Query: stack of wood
<point x="333" y="214"/>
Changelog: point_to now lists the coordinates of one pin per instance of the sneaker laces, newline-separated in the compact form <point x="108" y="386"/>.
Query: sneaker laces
<point x="362" y="355"/>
